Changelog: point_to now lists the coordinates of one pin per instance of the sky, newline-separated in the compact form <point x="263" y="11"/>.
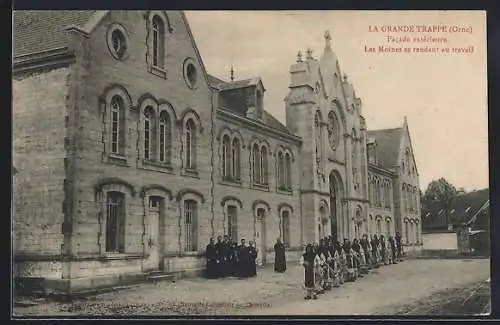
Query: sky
<point x="443" y="95"/>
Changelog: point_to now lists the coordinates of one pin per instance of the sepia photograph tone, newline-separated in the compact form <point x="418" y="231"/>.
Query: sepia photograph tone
<point x="177" y="163"/>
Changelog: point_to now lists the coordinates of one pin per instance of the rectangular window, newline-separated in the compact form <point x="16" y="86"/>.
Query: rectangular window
<point x="285" y="224"/>
<point x="146" y="139"/>
<point x="115" y="222"/>
<point x="190" y="228"/>
<point x="162" y="142"/>
<point x="115" y="132"/>
<point x="232" y="223"/>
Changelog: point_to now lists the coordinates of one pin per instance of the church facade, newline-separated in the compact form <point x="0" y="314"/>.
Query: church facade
<point x="129" y="156"/>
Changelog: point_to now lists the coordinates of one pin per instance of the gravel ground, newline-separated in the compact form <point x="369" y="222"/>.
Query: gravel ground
<point x="383" y="291"/>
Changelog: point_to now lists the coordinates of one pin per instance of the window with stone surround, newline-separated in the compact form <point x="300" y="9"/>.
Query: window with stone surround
<point x="256" y="163"/>
<point x="236" y="161"/>
<point x="288" y="172"/>
<point x="226" y="158"/>
<point x="388" y="227"/>
<point x="115" y="222"/>
<point x="165" y="133"/>
<point x="281" y="171"/>
<point x="158" y="42"/>
<point x="406" y="232"/>
<point x="190" y="145"/>
<point x="149" y="133"/>
<point x="117" y="126"/>
<point x="263" y="166"/>
<point x="232" y="222"/>
<point x="190" y="226"/>
<point x="285" y="227"/>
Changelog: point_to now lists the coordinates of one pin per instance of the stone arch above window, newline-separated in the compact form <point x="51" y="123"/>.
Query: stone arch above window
<point x="114" y="184"/>
<point x="283" y="206"/>
<point x="156" y="190"/>
<point x="231" y="200"/>
<point x="191" y="114"/>
<point x="192" y="193"/>
<point x="260" y="204"/>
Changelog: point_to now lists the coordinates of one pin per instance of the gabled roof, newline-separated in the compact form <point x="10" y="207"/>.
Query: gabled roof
<point x="41" y="30"/>
<point x="268" y="119"/>
<point x="388" y="142"/>
<point x="463" y="208"/>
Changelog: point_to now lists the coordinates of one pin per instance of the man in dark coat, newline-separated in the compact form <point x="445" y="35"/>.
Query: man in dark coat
<point x="356" y="247"/>
<point x="366" y="248"/>
<point x="393" y="249"/>
<point x="279" y="257"/>
<point x="243" y="260"/>
<point x="211" y="256"/>
<point x="308" y="264"/>
<point x="399" y="246"/>
<point x="232" y="265"/>
<point x="252" y="257"/>
<point x="219" y="250"/>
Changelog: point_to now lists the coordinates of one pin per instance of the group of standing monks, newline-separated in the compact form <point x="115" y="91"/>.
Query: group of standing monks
<point x="331" y="263"/>
<point x="226" y="258"/>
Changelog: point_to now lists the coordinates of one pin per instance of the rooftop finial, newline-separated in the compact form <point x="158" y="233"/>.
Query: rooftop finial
<point x="328" y="41"/>
<point x="309" y="53"/>
<point x="232" y="70"/>
<point x="299" y="56"/>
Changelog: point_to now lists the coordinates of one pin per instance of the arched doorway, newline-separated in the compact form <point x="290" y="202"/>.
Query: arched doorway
<point x="336" y="196"/>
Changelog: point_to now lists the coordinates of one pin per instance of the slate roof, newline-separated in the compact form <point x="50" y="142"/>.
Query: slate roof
<point x="388" y="143"/>
<point x="268" y="119"/>
<point x="41" y="30"/>
<point x="463" y="208"/>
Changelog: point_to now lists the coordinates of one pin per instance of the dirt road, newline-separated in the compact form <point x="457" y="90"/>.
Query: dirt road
<point x="380" y="292"/>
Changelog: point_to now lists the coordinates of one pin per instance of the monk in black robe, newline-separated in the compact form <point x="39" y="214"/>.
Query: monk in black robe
<point x="308" y="264"/>
<point x="243" y="260"/>
<point x="252" y="257"/>
<point x="211" y="256"/>
<point x="219" y="250"/>
<point x="393" y="249"/>
<point x="374" y="244"/>
<point x="356" y="247"/>
<point x="232" y="263"/>
<point x="399" y="246"/>
<point x="225" y="256"/>
<point x="279" y="257"/>
<point x="383" y="250"/>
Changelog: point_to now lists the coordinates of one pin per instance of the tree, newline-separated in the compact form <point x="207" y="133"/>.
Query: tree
<point x="442" y="191"/>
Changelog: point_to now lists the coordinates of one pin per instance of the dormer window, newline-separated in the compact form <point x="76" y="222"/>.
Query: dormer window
<point x="259" y="104"/>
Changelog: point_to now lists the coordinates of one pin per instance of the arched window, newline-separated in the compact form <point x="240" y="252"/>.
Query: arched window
<point x="408" y="160"/>
<point x="263" y="165"/>
<point x="236" y="158"/>
<point x="232" y="222"/>
<point x="117" y="125"/>
<point x="387" y="195"/>
<point x="403" y="197"/>
<point x="190" y="144"/>
<point x="379" y="227"/>
<point x="281" y="170"/>
<point x="379" y="193"/>
<point x="226" y="165"/>
<point x="190" y="226"/>
<point x="256" y="163"/>
<point x="318" y="136"/>
<point x="115" y="222"/>
<point x="285" y="227"/>
<point x="158" y="42"/>
<point x="406" y="232"/>
<point x="388" y="227"/>
<point x="165" y="137"/>
<point x="370" y="191"/>
<point x="288" y="171"/>
<point x="149" y="136"/>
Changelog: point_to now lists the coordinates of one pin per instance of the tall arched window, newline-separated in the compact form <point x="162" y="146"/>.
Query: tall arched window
<point x="256" y="163"/>
<point x="236" y="158"/>
<point x="149" y="134"/>
<point x="318" y="136"/>
<point x="226" y="165"/>
<point x="379" y="192"/>
<point x="379" y="227"/>
<point x="263" y="165"/>
<point x="165" y="137"/>
<point x="288" y="171"/>
<point x="117" y="125"/>
<point x="281" y="170"/>
<point x="190" y="144"/>
<point x="407" y="239"/>
<point x="388" y="227"/>
<point x="408" y="161"/>
<point x="190" y="226"/>
<point x="158" y="42"/>
<point x="403" y="197"/>
<point x="388" y="195"/>
<point x="370" y="191"/>
<point x="285" y="227"/>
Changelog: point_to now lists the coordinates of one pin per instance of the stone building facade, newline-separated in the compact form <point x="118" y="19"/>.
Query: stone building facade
<point x="130" y="156"/>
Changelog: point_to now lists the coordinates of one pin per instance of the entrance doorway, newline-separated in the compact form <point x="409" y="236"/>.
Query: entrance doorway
<point x="156" y="241"/>
<point x="336" y="194"/>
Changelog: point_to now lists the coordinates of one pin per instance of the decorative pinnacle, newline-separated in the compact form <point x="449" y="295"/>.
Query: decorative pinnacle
<point x="309" y="53"/>
<point x="299" y="57"/>
<point x="328" y="41"/>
